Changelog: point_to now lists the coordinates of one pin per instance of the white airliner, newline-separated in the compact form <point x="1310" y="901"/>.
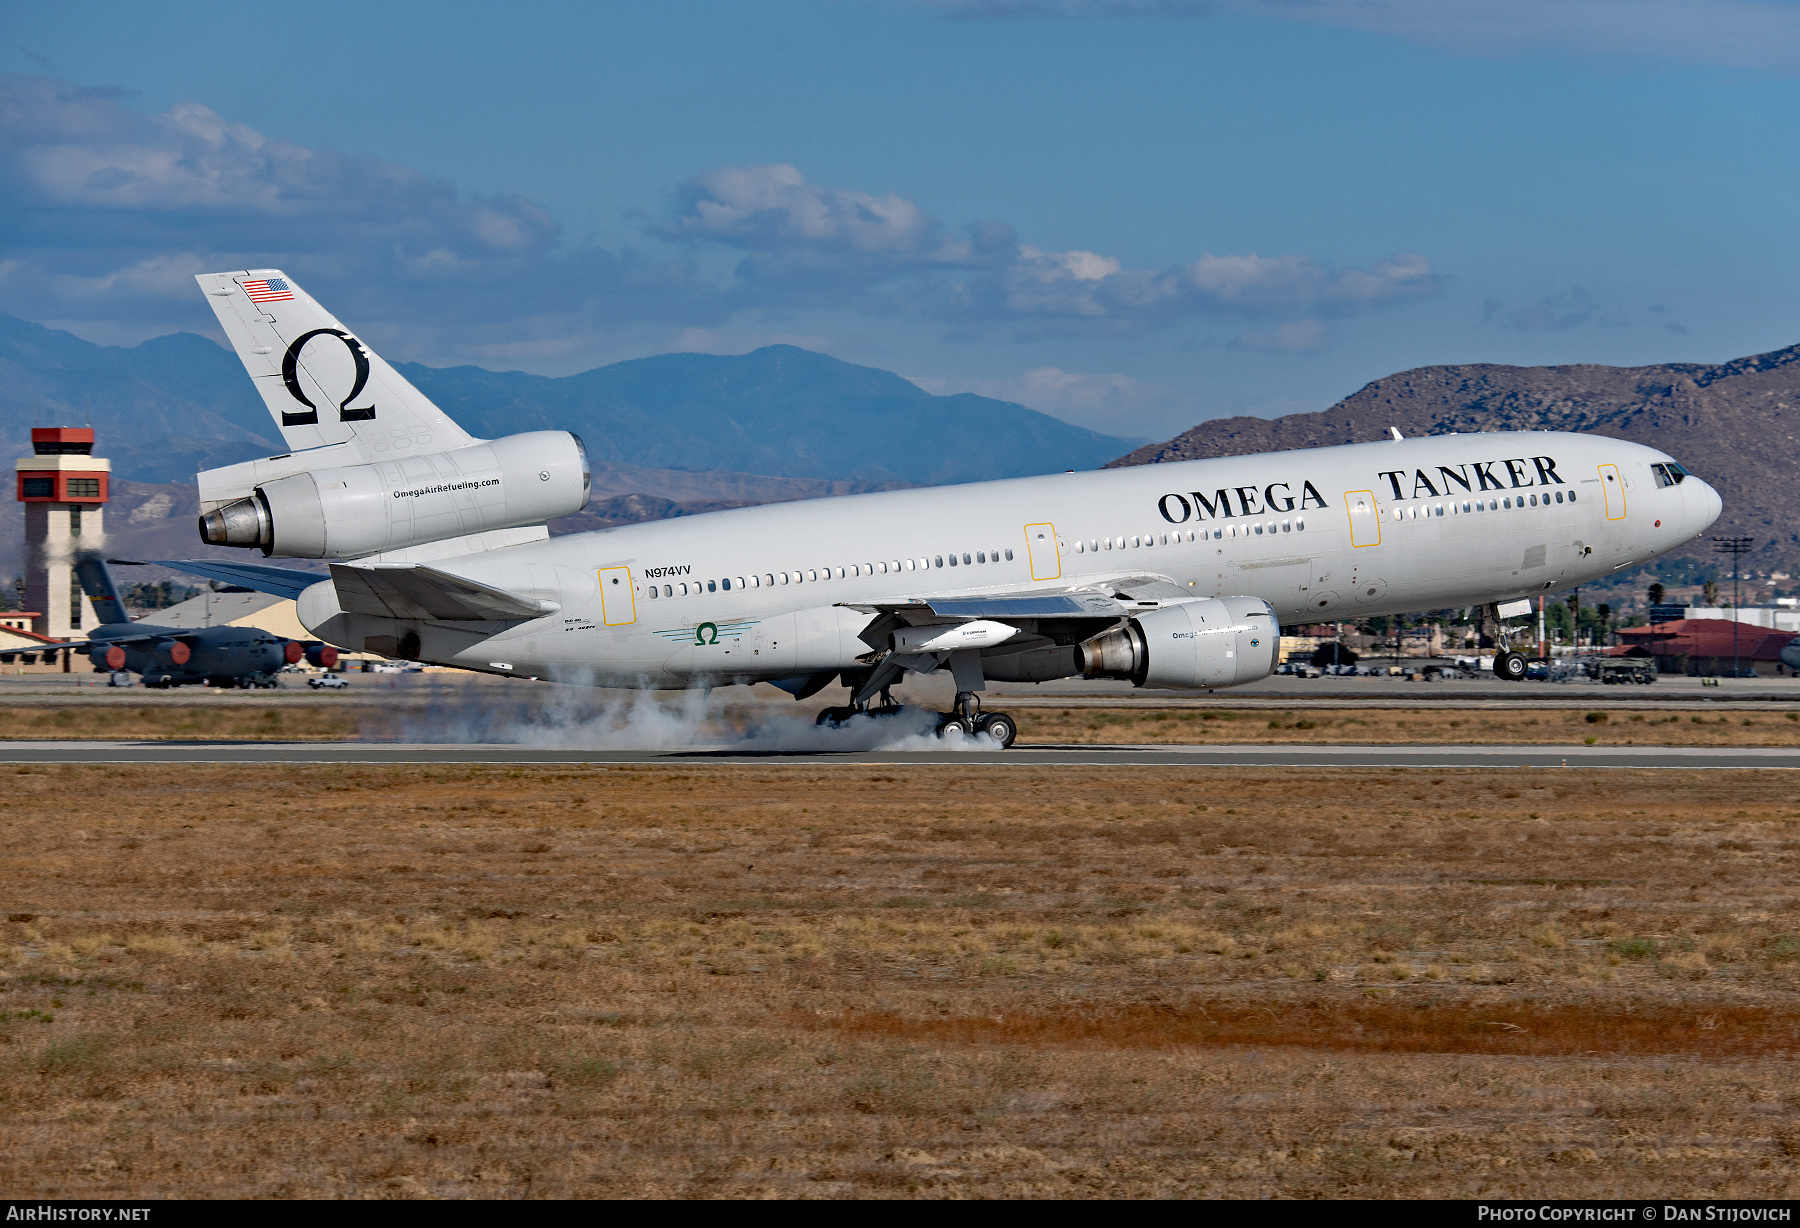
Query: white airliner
<point x="1171" y="575"/>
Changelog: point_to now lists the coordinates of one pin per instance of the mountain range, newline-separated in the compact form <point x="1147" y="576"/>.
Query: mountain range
<point x="181" y="403"/>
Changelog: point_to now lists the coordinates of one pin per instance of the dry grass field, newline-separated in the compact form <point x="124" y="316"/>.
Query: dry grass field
<point x="1677" y="726"/>
<point x="416" y="982"/>
<point x="340" y="718"/>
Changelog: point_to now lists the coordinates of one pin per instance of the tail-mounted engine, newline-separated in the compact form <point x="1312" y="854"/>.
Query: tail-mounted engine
<point x="360" y="510"/>
<point x="1211" y="643"/>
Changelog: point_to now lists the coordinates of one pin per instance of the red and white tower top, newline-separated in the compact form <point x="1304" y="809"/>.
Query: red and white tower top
<point x="62" y="468"/>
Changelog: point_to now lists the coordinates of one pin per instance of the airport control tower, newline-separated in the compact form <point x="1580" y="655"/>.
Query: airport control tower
<point x="64" y="489"/>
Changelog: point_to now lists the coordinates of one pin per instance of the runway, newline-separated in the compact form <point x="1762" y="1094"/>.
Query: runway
<point x="1427" y="757"/>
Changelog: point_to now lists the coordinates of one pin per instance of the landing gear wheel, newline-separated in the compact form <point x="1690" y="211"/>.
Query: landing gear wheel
<point x="834" y="718"/>
<point x="1510" y="666"/>
<point x="951" y="720"/>
<point x="998" y="726"/>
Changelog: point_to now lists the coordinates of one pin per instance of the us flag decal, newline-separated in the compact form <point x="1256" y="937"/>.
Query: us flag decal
<point x="269" y="290"/>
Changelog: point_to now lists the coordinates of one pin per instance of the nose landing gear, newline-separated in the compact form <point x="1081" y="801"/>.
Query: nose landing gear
<point x="1509" y="666"/>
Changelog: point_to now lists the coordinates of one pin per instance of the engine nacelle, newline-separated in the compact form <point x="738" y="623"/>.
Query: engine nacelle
<point x="360" y="510"/>
<point x="1216" y="642"/>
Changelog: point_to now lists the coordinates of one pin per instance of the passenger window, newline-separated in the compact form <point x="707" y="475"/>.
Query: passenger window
<point x="726" y="584"/>
<point x="1300" y="525"/>
<point x="1559" y="496"/>
<point x="711" y="586"/>
<point x="952" y="561"/>
<point x="653" y="592"/>
<point x="940" y="560"/>
<point x="1571" y="496"/>
<point x="965" y="558"/>
<point x="1080" y="547"/>
<point x="1009" y="556"/>
<point x="1286" y="527"/>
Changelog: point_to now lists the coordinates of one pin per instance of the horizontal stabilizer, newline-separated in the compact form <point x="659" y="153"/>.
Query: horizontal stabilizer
<point x="414" y="591"/>
<point x="278" y="581"/>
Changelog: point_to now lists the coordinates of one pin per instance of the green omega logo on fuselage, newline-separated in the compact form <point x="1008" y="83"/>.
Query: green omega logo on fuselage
<point x="702" y="629"/>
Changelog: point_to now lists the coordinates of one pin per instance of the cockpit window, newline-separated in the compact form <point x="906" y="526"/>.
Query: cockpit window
<point x="1668" y="473"/>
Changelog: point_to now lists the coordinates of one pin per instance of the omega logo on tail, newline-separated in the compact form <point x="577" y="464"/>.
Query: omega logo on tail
<point x="290" y="375"/>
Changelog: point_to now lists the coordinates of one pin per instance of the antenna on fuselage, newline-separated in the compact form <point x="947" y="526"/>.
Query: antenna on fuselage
<point x="1396" y="431"/>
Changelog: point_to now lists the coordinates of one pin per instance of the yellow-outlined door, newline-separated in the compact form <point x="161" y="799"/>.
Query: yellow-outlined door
<point x="618" y="604"/>
<point x="1614" y="487"/>
<point x="1046" y="559"/>
<point x="1365" y="517"/>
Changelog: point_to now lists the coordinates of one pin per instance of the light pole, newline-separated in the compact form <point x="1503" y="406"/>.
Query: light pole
<point x="1734" y="546"/>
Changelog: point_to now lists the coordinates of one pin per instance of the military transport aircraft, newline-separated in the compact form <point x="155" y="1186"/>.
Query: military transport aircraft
<point x="177" y="656"/>
<point x="1171" y="575"/>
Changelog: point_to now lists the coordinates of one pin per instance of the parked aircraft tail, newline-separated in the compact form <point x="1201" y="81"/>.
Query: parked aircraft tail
<point x="97" y="582"/>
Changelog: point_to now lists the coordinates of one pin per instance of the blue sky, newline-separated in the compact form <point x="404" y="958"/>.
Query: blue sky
<point x="1134" y="214"/>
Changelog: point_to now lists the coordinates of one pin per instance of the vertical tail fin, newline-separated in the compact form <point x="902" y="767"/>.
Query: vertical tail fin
<point x="321" y="384"/>
<point x="97" y="582"/>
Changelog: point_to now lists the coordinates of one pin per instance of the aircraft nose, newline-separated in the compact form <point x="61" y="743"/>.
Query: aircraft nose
<point x="1703" y="502"/>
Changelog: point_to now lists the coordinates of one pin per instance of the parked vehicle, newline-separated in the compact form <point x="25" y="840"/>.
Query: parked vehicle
<point x="328" y="682"/>
<point x="1620" y="670"/>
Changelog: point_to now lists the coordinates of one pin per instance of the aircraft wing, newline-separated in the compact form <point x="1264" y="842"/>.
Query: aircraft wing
<point x="413" y="590"/>
<point x="84" y="645"/>
<point x="1103" y="598"/>
<point x="278" y="581"/>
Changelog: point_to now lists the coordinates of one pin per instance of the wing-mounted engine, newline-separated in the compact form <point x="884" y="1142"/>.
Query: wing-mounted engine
<point x="1215" y="642"/>
<point x="357" y="510"/>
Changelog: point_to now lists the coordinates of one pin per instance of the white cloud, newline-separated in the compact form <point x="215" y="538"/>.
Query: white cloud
<point x="1761" y="35"/>
<point x="110" y="213"/>
<point x="815" y="245"/>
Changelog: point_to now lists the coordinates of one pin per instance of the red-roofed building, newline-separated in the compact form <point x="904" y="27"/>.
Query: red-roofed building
<point x="1704" y="646"/>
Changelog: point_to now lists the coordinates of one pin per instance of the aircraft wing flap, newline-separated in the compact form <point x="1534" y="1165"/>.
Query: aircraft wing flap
<point x="417" y="592"/>
<point x="1036" y="605"/>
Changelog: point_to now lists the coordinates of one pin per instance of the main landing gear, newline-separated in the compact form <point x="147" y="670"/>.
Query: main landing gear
<point x="971" y="720"/>
<point x="968" y="718"/>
